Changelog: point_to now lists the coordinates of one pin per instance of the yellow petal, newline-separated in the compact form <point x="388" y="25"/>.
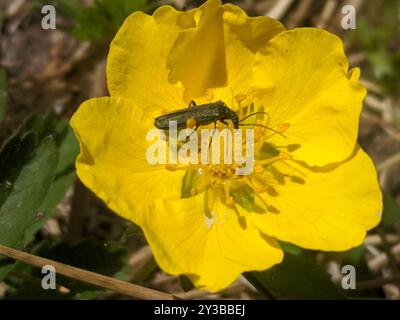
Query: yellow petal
<point x="197" y="58"/>
<point x="149" y="53"/>
<point x="223" y="45"/>
<point x="244" y="36"/>
<point x="328" y="208"/>
<point x="136" y="65"/>
<point x="313" y="92"/>
<point x="112" y="162"/>
<point x="213" y="251"/>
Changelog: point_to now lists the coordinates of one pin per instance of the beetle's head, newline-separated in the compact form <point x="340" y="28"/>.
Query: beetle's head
<point x="230" y="114"/>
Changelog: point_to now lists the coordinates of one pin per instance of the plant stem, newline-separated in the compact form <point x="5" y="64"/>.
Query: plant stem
<point x="93" y="278"/>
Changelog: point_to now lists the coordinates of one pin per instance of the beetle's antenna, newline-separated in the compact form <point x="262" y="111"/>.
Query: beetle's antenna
<point x="260" y="125"/>
<point x="255" y="113"/>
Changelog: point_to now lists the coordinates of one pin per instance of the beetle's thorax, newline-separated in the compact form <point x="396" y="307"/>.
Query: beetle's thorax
<point x="230" y="114"/>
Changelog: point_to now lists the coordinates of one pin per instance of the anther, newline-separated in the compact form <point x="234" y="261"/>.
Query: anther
<point x="283" y="127"/>
<point x="258" y="168"/>
<point x="285" y="156"/>
<point x="230" y="201"/>
<point x="171" y="167"/>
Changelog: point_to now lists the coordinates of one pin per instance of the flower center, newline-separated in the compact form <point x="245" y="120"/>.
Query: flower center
<point x="223" y="178"/>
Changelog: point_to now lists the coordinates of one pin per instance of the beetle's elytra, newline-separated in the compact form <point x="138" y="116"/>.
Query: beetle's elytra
<point x="206" y="114"/>
<point x="202" y="114"/>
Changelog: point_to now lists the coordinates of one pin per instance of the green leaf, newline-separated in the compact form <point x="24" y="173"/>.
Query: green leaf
<point x="2" y="94"/>
<point x="68" y="149"/>
<point x="22" y="154"/>
<point x="297" y="277"/>
<point x="355" y="255"/>
<point x="186" y="284"/>
<point x="27" y="172"/>
<point x="290" y="248"/>
<point x="106" y="258"/>
<point x="375" y="37"/>
<point x="391" y="210"/>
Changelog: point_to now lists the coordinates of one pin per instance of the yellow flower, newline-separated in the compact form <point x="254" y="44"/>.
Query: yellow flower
<point x="312" y="185"/>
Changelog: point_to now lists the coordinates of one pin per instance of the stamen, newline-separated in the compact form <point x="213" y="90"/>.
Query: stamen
<point x="201" y="185"/>
<point x="171" y="167"/>
<point x="228" y="198"/>
<point x="222" y="178"/>
<point x="267" y="161"/>
<point x="239" y="99"/>
<point x="285" y="156"/>
<point x="209" y="202"/>
<point x="260" y="183"/>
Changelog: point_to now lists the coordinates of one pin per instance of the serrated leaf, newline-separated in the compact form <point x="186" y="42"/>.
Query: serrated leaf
<point x="36" y="129"/>
<point x="297" y="277"/>
<point x="68" y="149"/>
<point x="27" y="173"/>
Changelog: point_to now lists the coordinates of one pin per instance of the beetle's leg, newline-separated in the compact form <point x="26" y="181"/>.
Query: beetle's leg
<point x="194" y="131"/>
<point x="225" y="123"/>
<point x="192" y="104"/>
<point x="215" y="128"/>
